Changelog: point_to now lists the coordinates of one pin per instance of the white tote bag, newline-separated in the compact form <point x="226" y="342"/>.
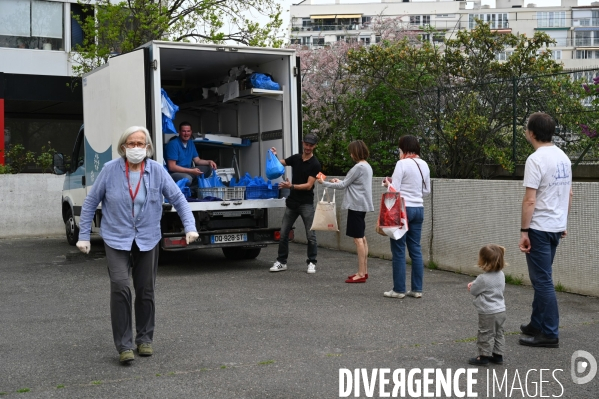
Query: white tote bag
<point x="325" y="216"/>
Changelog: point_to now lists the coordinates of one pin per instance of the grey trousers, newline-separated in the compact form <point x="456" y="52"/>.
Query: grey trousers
<point x="490" y="334"/>
<point x="142" y="266"/>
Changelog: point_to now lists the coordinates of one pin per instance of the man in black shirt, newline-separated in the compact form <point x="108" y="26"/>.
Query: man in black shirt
<point x="300" y="202"/>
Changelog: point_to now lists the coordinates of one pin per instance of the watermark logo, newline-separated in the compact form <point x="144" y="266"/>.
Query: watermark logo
<point x="583" y="362"/>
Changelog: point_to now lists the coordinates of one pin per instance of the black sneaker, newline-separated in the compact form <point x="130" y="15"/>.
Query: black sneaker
<point x="479" y="361"/>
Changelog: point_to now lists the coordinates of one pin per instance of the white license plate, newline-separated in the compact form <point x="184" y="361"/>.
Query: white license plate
<point x="223" y="238"/>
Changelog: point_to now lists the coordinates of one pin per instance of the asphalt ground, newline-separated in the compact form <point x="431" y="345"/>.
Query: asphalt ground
<point x="231" y="329"/>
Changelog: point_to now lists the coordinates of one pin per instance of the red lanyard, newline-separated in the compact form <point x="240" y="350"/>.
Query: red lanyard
<point x="129" y="182"/>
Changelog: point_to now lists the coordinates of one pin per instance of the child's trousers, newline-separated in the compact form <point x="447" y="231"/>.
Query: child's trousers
<point x="490" y="334"/>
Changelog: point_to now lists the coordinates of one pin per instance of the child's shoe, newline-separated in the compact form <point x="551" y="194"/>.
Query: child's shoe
<point x="480" y="360"/>
<point x="497" y="359"/>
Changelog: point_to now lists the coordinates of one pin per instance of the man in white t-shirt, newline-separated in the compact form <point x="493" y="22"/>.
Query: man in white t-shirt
<point x="545" y="207"/>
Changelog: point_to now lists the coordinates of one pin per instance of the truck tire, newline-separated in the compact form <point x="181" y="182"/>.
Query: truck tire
<point x="252" y="253"/>
<point x="71" y="228"/>
<point x="241" y="253"/>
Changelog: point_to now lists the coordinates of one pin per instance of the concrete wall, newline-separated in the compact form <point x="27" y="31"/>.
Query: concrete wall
<point x="460" y="217"/>
<point x="463" y="215"/>
<point x="30" y="205"/>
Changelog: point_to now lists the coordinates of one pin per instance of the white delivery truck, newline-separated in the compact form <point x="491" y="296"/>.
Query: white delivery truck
<point x="234" y="125"/>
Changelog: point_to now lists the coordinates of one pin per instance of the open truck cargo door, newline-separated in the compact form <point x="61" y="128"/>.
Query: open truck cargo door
<point x="114" y="98"/>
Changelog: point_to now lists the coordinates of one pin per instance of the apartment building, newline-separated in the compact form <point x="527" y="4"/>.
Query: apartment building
<point x="316" y="23"/>
<point x="40" y="101"/>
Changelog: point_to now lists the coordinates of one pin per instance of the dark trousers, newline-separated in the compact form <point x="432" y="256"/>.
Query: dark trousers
<point x="142" y="266"/>
<point x="306" y="211"/>
<point x="545" y="314"/>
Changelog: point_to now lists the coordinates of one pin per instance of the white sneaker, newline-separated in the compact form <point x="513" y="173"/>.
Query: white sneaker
<point x="278" y="267"/>
<point x="311" y="268"/>
<point x="415" y="294"/>
<point x="393" y="294"/>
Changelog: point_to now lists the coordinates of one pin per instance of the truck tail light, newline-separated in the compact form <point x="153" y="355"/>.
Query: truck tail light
<point x="175" y="242"/>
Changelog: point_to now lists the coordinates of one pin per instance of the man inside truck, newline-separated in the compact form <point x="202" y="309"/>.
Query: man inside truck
<point x="300" y="201"/>
<point x="180" y="152"/>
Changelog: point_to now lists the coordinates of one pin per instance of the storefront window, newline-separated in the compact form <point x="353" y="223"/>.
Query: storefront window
<point x="31" y="24"/>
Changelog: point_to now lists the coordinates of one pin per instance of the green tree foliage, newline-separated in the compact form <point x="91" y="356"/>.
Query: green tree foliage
<point x="467" y="107"/>
<point x="115" y="28"/>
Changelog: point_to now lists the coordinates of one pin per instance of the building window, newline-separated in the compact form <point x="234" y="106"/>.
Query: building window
<point x="586" y="38"/>
<point x="295" y="41"/>
<point x="420" y="20"/>
<point x="551" y="19"/>
<point x="503" y="55"/>
<point x="78" y="16"/>
<point x="587" y="54"/>
<point x="318" y="41"/>
<point x="366" y="20"/>
<point x="365" y="40"/>
<point x="556" y="54"/>
<point x="495" y="21"/>
<point x="31" y="24"/>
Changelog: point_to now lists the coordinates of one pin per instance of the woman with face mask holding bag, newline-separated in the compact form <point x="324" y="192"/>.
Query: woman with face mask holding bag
<point x="130" y="189"/>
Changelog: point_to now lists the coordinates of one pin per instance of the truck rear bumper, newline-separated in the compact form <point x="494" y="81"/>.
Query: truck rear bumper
<point x="255" y="238"/>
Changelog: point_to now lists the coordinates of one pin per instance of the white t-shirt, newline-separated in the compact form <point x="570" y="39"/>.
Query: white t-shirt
<point x="549" y="171"/>
<point x="408" y="181"/>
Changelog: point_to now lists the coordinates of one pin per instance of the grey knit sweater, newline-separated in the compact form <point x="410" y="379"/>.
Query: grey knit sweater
<point x="358" y="188"/>
<point x="488" y="289"/>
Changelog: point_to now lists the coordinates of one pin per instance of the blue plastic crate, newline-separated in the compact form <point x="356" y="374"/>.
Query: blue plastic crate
<point x="262" y="192"/>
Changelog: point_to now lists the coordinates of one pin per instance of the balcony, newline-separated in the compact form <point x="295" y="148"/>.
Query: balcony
<point x="320" y="28"/>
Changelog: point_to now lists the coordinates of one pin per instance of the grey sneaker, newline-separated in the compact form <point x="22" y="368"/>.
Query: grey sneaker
<point x="414" y="294"/>
<point x="278" y="267"/>
<point x="311" y="268"/>
<point x="126" y="356"/>
<point x="145" y="349"/>
<point x="393" y="294"/>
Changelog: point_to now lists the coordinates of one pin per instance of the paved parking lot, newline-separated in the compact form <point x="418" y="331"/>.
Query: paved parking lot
<point x="230" y="329"/>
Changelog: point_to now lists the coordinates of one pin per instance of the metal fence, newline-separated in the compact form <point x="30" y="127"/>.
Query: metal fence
<point x="501" y="108"/>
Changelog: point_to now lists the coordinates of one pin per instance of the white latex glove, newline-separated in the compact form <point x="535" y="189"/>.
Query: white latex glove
<point x="191" y="237"/>
<point x="84" y="246"/>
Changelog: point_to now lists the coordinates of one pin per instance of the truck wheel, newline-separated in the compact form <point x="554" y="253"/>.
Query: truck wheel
<point x="252" y="253"/>
<point x="234" y="253"/>
<point x="241" y="253"/>
<point x="71" y="228"/>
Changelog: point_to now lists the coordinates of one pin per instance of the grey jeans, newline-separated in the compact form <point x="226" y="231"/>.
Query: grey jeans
<point x="142" y="266"/>
<point x="490" y="334"/>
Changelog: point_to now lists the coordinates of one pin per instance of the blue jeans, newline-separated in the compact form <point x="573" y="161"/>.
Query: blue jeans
<point x="306" y="211"/>
<point x="398" y="252"/>
<point x="545" y="315"/>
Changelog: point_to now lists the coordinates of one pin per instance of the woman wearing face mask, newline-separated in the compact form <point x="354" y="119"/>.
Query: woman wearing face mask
<point x="130" y="189"/>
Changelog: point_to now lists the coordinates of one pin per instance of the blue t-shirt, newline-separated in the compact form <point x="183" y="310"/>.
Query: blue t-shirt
<point x="182" y="155"/>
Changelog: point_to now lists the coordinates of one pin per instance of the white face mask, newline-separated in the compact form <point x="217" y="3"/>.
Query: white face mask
<point x="135" y="155"/>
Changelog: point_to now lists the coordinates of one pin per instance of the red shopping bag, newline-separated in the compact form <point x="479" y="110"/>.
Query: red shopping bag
<point x="393" y="218"/>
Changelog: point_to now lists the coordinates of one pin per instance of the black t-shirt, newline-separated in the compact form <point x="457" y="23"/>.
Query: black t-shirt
<point x="301" y="171"/>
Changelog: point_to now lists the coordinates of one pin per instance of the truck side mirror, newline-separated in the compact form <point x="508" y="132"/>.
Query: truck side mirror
<point x="58" y="164"/>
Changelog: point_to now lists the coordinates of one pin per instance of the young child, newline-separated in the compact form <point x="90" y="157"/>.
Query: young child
<point x="488" y="289"/>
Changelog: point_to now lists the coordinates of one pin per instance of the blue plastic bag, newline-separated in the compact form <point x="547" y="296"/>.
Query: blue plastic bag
<point x="262" y="81"/>
<point x="184" y="186"/>
<point x="215" y="180"/>
<point x="274" y="168"/>
<point x="169" y="109"/>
